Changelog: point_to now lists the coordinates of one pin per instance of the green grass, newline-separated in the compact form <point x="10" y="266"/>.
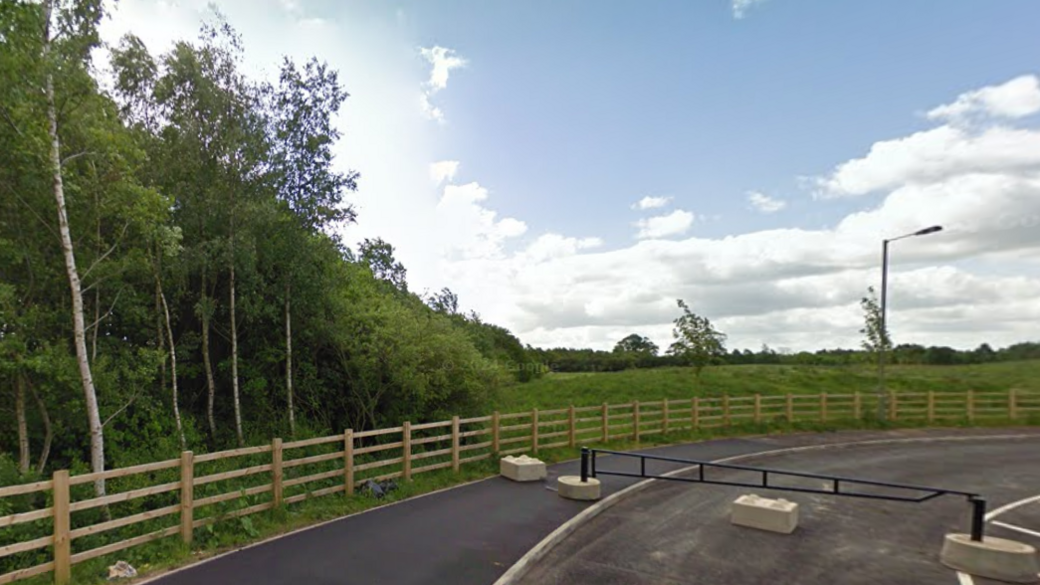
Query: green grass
<point x="587" y="389"/>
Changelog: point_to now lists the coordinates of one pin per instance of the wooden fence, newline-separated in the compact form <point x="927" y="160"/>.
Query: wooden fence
<point x="189" y="491"/>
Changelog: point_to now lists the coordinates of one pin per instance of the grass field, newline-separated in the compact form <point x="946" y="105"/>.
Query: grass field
<point x="586" y="389"/>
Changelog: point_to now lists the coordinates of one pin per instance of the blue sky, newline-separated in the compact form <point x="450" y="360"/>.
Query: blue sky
<point x="550" y="120"/>
<point x="589" y="103"/>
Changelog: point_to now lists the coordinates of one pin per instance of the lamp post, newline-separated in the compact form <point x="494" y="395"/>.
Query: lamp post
<point x="883" y="334"/>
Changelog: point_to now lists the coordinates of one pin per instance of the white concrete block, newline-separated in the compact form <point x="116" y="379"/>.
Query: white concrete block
<point x="764" y="513"/>
<point x="572" y="488"/>
<point x="994" y="558"/>
<point x="522" y="468"/>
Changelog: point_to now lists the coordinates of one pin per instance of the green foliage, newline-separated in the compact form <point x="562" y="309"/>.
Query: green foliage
<point x="636" y="344"/>
<point x="876" y="338"/>
<point x="696" y="339"/>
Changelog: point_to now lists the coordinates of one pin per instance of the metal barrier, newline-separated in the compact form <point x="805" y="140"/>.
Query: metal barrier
<point x="978" y="504"/>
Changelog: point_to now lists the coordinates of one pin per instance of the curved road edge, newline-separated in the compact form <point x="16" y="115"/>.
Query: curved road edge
<point x="520" y="569"/>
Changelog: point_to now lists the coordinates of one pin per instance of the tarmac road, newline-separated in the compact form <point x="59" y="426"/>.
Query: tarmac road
<point x="674" y="533"/>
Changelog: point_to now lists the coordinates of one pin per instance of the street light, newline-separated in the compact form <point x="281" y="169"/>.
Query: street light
<point x="883" y="337"/>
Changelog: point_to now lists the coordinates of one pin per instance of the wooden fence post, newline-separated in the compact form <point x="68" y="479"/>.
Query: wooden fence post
<point x="572" y="430"/>
<point x="971" y="406"/>
<point x="857" y="406"/>
<point x="187" y="496"/>
<point x="496" y="431"/>
<point x="455" y="443"/>
<point x="725" y="410"/>
<point x="348" y="460"/>
<point x="758" y="408"/>
<point x="893" y="405"/>
<point x="276" y="472"/>
<point x="1012" y="404"/>
<point x="635" y="420"/>
<point x="406" y="451"/>
<point x="62" y="525"/>
<point x="534" y="430"/>
<point x="664" y="416"/>
<point x="606" y="421"/>
<point x="931" y="406"/>
<point x="790" y="408"/>
<point x="695" y="413"/>
<point x="823" y="407"/>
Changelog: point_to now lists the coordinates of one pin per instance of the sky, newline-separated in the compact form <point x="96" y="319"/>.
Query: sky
<point x="571" y="169"/>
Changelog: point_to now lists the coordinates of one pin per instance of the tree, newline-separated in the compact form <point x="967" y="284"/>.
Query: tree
<point x="696" y="339"/>
<point x="636" y="344"/>
<point x="378" y="255"/>
<point x="444" y="301"/>
<point x="69" y="48"/>
<point x="303" y="134"/>
<point x="876" y="342"/>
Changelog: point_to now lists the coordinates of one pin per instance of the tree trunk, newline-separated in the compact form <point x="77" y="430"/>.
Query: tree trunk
<point x="48" y="432"/>
<point x="234" y="355"/>
<point x="97" y="437"/>
<point x="23" y="428"/>
<point x="97" y="324"/>
<point x="173" y="367"/>
<point x="211" y="386"/>
<point x="288" y="362"/>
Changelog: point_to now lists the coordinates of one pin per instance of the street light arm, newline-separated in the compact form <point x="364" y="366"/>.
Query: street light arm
<point x="923" y="232"/>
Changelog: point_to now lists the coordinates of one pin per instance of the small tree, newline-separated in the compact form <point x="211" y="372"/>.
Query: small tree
<point x="876" y="342"/>
<point x="696" y="339"/>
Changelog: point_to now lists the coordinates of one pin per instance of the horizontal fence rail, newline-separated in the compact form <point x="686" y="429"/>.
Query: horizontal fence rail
<point x="161" y="499"/>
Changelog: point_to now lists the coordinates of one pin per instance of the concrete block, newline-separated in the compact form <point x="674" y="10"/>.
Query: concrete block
<point x="572" y="488"/>
<point x="522" y="468"/>
<point x="765" y="514"/>
<point x="993" y="558"/>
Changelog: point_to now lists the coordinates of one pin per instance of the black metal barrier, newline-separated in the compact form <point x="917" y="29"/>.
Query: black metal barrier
<point x="978" y="504"/>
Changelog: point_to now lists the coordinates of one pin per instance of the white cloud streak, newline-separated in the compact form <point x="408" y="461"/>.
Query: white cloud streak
<point x="740" y="7"/>
<point x="1016" y="98"/>
<point x="443" y="171"/>
<point x="662" y="226"/>
<point x="442" y="62"/>
<point x="764" y="203"/>
<point x="651" y="202"/>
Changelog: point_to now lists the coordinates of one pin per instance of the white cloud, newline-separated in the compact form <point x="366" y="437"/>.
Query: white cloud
<point x="764" y="203"/>
<point x="442" y="61"/>
<point x="1017" y="98"/>
<point x="932" y="156"/>
<point x="740" y="7"/>
<point x="651" y="202"/>
<point x="661" y="226"/>
<point x="466" y="229"/>
<point x="443" y="171"/>
<point x="549" y="246"/>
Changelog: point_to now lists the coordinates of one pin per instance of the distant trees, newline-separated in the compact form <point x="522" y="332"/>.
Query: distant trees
<point x="696" y="339"/>
<point x="636" y="344"/>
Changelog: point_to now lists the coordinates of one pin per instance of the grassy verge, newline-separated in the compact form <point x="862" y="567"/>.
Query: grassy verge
<point x="587" y="389"/>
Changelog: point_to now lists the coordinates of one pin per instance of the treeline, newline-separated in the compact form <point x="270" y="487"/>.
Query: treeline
<point x="170" y="271"/>
<point x="623" y="358"/>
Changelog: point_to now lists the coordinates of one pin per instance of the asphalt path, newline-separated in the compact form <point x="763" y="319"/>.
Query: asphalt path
<point x="466" y="535"/>
<point x="674" y="533"/>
